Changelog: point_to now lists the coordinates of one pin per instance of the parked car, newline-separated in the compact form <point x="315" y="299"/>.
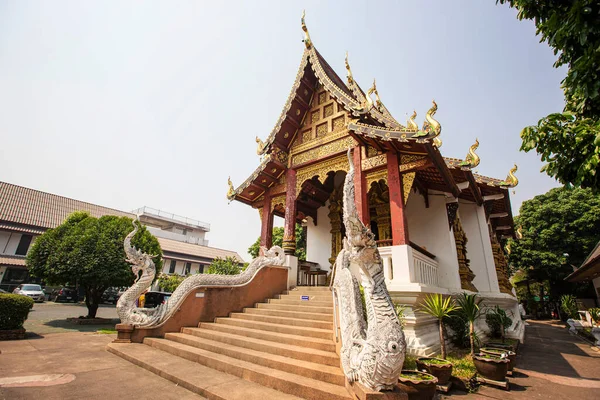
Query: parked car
<point x="65" y="293"/>
<point x="111" y="295"/>
<point x="31" y="290"/>
<point x="153" y="299"/>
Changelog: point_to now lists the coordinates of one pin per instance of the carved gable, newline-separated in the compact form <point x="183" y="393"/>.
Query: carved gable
<point x="323" y="131"/>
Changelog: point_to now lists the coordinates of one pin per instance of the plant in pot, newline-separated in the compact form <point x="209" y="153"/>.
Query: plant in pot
<point x="439" y="307"/>
<point x="511" y="355"/>
<point x="417" y="385"/>
<point x="491" y="366"/>
<point x="595" y="314"/>
<point x="470" y="309"/>
<point x="498" y="321"/>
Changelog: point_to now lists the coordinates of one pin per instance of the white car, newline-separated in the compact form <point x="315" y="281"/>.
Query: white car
<point x="31" y="290"/>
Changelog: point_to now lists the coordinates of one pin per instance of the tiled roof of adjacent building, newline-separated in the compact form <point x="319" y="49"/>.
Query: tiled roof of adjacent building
<point x="173" y="246"/>
<point x="18" y="261"/>
<point x="21" y="205"/>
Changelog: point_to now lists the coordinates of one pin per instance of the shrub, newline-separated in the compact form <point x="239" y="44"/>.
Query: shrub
<point x="224" y="266"/>
<point x="14" y="309"/>
<point x="169" y="283"/>
<point x="568" y="303"/>
<point x="498" y="321"/>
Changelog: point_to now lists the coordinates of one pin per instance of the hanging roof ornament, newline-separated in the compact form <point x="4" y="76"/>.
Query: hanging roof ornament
<point x="231" y="190"/>
<point x="471" y="160"/>
<point x="307" y="41"/>
<point x="410" y="123"/>
<point x="349" y="72"/>
<point x="511" y="180"/>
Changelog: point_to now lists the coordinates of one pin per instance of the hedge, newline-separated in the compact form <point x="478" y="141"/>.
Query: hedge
<point x="14" y="309"/>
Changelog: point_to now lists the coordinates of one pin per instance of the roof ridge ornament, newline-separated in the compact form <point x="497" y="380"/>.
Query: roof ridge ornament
<point x="430" y="124"/>
<point x="261" y="146"/>
<point x="368" y="104"/>
<point x="349" y="72"/>
<point x="410" y="123"/>
<point x="307" y="41"/>
<point x="519" y="233"/>
<point x="377" y="99"/>
<point x="471" y="160"/>
<point x="231" y="190"/>
<point x="511" y="180"/>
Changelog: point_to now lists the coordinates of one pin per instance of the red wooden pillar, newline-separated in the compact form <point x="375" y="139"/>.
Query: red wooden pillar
<point x="397" y="211"/>
<point x="266" y="229"/>
<point x="289" y="229"/>
<point x="360" y="188"/>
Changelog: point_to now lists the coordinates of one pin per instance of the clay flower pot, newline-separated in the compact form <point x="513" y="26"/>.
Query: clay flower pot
<point x="511" y="355"/>
<point x="501" y="345"/>
<point x="441" y="369"/>
<point x="418" y="385"/>
<point x="491" y="367"/>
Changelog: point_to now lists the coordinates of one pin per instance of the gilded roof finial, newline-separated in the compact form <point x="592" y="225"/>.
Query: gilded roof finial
<point x="307" y="41"/>
<point x="511" y="180"/>
<point x="261" y="146"/>
<point x="349" y="72"/>
<point x="231" y="190"/>
<point x="366" y="106"/>
<point x="472" y="159"/>
<point x="519" y="233"/>
<point x="430" y="124"/>
<point x="377" y="99"/>
<point x="437" y="142"/>
<point x="507" y="248"/>
<point x="411" y="124"/>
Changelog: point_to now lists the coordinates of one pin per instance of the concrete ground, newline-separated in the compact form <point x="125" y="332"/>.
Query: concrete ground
<point x="552" y="364"/>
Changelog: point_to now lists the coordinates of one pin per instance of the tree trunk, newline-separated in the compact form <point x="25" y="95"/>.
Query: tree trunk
<point x="472" y="338"/>
<point x="93" y="297"/>
<point x="442" y="340"/>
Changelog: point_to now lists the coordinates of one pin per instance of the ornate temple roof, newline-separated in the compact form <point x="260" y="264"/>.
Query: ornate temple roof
<point x="369" y="123"/>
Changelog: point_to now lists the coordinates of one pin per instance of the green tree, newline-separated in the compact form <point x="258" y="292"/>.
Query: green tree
<point x="278" y="241"/>
<point x="88" y="252"/>
<point x="435" y="305"/>
<point x="559" y="229"/>
<point x="470" y="308"/>
<point x="169" y="283"/>
<point x="569" y="141"/>
<point x="224" y="266"/>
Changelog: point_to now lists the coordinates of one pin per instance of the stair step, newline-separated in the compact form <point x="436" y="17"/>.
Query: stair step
<point x="290" y="314"/>
<point x="306" y="331"/>
<point x="277" y="337"/>
<point x="311" y="289"/>
<point x="284" y="320"/>
<point x="283" y="381"/>
<point x="305" y="368"/>
<point x="311" y="297"/>
<point x="281" y="349"/>
<point x="302" y="303"/>
<point x="309" y="308"/>
<point x="197" y="378"/>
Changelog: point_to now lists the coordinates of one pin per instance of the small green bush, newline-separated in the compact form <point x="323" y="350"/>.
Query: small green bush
<point x="14" y="309"/>
<point x="568" y="303"/>
<point x="498" y="321"/>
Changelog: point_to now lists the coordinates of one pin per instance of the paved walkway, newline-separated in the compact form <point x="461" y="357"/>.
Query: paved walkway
<point x="75" y="365"/>
<point x="552" y="364"/>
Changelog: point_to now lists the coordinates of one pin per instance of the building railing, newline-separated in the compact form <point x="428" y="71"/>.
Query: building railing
<point x="174" y="217"/>
<point x="177" y="236"/>
<point x="425" y="268"/>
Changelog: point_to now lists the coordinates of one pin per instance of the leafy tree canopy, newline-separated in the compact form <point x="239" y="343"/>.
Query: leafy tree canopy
<point x="278" y="241"/>
<point x="560" y="222"/>
<point x="224" y="266"/>
<point x="88" y="252"/>
<point x="569" y="142"/>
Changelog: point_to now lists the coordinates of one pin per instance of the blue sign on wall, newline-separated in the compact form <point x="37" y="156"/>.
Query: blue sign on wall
<point x="305" y="298"/>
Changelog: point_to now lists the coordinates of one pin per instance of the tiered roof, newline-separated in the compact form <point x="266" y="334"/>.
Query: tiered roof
<point x="370" y="123"/>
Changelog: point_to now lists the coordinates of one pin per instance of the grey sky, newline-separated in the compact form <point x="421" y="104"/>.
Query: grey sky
<point x="126" y="104"/>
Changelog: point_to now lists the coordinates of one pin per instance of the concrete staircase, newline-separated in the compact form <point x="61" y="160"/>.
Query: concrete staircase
<point x="281" y="349"/>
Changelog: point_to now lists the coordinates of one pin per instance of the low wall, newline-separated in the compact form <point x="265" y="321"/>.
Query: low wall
<point x="207" y="303"/>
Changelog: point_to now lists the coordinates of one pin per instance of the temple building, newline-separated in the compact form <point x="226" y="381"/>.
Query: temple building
<point x="439" y="226"/>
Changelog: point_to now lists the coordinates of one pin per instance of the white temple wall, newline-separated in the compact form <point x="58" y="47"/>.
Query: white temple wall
<point x="428" y="228"/>
<point x="318" y="238"/>
<point x="479" y="247"/>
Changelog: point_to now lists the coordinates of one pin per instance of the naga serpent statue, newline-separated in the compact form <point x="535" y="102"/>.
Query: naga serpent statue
<point x="129" y="313"/>
<point x="372" y="351"/>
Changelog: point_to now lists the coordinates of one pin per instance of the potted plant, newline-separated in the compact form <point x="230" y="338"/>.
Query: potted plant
<point x="595" y="314"/>
<point x="418" y="385"/>
<point x="498" y="321"/>
<point x="511" y="355"/>
<point x="441" y="369"/>
<point x="435" y="305"/>
<point x="490" y="366"/>
<point x="469" y="308"/>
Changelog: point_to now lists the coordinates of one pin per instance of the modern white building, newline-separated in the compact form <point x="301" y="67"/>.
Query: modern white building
<point x="27" y="213"/>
